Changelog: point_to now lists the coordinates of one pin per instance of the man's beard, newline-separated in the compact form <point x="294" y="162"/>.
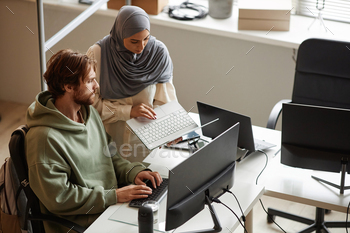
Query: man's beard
<point x="82" y="99"/>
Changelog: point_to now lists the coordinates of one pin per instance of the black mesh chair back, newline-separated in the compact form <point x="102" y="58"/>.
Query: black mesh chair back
<point x="322" y="74"/>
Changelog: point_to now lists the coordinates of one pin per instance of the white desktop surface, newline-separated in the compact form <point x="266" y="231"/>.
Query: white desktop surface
<point x="249" y="168"/>
<point x="296" y="184"/>
<point x="293" y="184"/>
<point x="163" y="160"/>
<point x="277" y="180"/>
<point x="246" y="193"/>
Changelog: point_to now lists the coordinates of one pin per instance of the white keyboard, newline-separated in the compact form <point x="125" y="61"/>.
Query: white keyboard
<point x="165" y="126"/>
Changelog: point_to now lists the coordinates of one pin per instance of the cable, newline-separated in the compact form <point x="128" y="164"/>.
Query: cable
<point x="218" y="201"/>
<point x="174" y="11"/>
<point x="347" y="213"/>
<point x="267" y="159"/>
<point x="256" y="182"/>
<point x="271" y="217"/>
<point x="239" y="205"/>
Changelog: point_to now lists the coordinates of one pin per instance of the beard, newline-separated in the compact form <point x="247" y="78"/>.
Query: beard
<point x="83" y="98"/>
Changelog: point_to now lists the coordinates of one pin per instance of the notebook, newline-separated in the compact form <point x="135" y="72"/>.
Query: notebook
<point x="247" y="144"/>
<point x="172" y="122"/>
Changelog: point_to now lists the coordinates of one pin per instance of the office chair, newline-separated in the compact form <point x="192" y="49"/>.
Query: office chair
<point x="322" y="77"/>
<point x="27" y="202"/>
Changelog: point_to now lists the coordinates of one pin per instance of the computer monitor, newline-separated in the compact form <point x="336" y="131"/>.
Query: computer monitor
<point x="227" y="118"/>
<point x="203" y="176"/>
<point x="247" y="144"/>
<point x="316" y="138"/>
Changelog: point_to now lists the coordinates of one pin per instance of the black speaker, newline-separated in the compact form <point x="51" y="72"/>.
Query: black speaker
<point x="145" y="219"/>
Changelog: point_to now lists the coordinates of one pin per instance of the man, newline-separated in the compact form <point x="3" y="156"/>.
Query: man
<point x="71" y="169"/>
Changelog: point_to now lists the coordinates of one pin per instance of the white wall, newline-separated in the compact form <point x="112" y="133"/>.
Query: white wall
<point x="260" y="77"/>
<point x="19" y="46"/>
<point x="258" y="80"/>
<point x="85" y="35"/>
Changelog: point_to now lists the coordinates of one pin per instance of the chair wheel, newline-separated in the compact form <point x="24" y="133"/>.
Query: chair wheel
<point x="270" y="218"/>
<point x="326" y="211"/>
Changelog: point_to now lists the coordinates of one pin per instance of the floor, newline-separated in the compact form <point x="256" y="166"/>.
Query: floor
<point x="260" y="224"/>
<point x="13" y="114"/>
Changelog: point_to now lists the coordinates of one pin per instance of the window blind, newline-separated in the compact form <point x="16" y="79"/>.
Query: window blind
<point x="338" y="10"/>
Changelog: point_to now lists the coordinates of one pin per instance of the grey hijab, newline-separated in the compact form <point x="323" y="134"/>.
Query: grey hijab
<point x="123" y="73"/>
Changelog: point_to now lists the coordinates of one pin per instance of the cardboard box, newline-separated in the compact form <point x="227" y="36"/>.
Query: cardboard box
<point x="152" y="7"/>
<point x="264" y="15"/>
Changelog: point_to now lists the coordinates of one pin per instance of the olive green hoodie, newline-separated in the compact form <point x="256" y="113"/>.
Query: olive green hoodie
<point x="71" y="169"/>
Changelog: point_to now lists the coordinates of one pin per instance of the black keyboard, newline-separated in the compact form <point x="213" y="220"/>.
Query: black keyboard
<point x="157" y="194"/>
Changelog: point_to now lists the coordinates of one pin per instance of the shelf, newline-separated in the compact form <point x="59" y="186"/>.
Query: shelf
<point x="229" y="27"/>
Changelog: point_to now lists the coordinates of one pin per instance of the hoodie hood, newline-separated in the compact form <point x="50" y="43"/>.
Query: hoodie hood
<point x="42" y="112"/>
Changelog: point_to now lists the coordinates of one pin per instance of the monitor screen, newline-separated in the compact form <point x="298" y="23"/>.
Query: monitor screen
<point x="227" y="118"/>
<point x="207" y="172"/>
<point x="315" y="137"/>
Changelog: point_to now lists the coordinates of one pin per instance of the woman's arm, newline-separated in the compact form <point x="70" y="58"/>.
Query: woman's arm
<point x="165" y="93"/>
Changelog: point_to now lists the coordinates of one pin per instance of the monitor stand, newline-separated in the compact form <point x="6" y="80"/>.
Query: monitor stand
<point x="342" y="186"/>
<point x="217" y="226"/>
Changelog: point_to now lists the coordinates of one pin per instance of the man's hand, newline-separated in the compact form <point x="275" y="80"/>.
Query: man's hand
<point x="142" y="110"/>
<point x="154" y="177"/>
<point x="131" y="192"/>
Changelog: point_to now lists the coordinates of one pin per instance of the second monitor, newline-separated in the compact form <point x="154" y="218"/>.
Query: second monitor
<point x="317" y="138"/>
<point x="246" y="142"/>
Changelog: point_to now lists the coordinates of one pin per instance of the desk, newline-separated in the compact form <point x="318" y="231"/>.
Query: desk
<point x="277" y="180"/>
<point x="294" y="184"/>
<point x="162" y="160"/>
<point x="246" y="193"/>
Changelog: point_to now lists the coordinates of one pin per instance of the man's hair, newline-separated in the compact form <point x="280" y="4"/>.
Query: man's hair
<point x="67" y="67"/>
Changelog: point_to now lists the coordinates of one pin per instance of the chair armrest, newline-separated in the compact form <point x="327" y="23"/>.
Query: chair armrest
<point x="275" y="113"/>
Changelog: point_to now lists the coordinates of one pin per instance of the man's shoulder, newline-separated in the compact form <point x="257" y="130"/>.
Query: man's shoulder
<point x="39" y="133"/>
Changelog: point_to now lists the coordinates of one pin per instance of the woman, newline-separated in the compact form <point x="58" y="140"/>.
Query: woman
<point x="135" y="73"/>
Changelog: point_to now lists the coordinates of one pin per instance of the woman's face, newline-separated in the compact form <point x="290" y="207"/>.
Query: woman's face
<point x="137" y="42"/>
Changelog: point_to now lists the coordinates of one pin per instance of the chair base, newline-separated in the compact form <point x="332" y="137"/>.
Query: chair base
<point x="318" y="225"/>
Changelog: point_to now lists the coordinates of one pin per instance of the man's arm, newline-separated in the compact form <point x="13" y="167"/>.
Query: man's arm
<point x="56" y="180"/>
<point x="51" y="184"/>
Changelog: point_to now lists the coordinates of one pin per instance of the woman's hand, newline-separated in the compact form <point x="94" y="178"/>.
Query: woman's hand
<point x="143" y="110"/>
<point x="154" y="177"/>
<point x="131" y="192"/>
